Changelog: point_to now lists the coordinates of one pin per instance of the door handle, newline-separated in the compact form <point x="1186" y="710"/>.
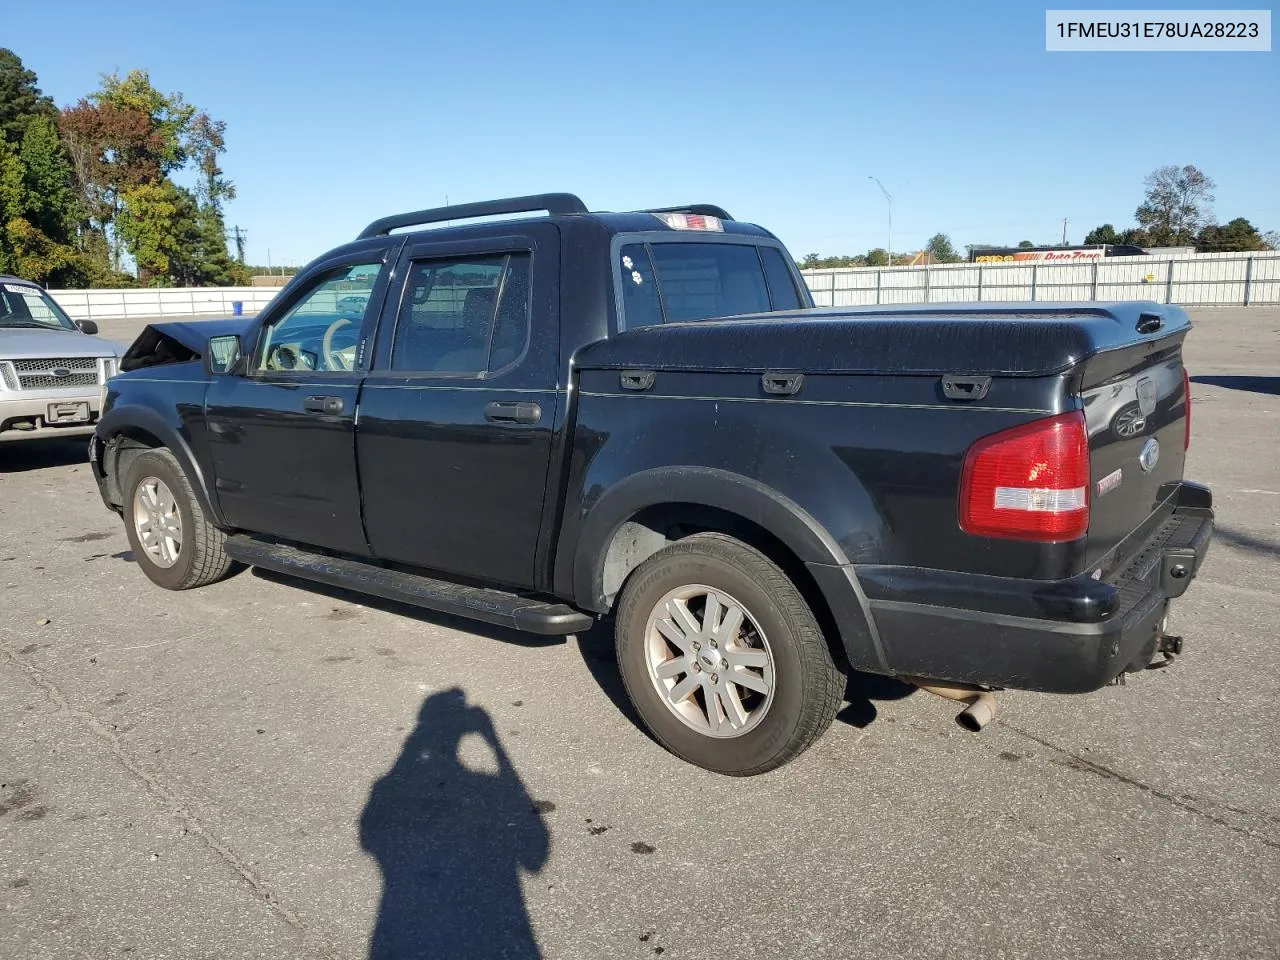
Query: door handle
<point x="513" y="411"/>
<point x="330" y="405"/>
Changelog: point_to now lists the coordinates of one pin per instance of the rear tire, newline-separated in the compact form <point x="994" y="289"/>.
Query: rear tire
<point x="723" y="659"/>
<point x="172" y="540"/>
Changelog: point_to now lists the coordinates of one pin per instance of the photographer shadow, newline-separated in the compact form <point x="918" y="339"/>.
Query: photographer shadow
<point x="452" y="827"/>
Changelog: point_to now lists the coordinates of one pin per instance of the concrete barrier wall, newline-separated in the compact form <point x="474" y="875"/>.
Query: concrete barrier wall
<point x="162" y="301"/>
<point x="1203" y="280"/>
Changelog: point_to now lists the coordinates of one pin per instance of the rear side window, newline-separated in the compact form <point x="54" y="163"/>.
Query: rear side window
<point x="782" y="286"/>
<point x="463" y="316"/>
<point x="671" y="282"/>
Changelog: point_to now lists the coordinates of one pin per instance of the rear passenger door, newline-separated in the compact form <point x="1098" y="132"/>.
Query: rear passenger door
<point x="454" y="434"/>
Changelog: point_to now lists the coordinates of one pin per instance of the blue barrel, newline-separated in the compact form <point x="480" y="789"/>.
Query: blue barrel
<point x="237" y="308"/>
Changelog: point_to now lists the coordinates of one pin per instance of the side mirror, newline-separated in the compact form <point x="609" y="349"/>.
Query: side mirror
<point x="223" y="354"/>
<point x="87" y="326"/>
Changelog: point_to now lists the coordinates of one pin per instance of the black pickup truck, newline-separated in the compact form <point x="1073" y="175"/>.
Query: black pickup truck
<point x="539" y="422"/>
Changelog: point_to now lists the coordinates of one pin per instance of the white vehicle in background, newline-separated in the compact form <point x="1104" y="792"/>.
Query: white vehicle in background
<point x="52" y="369"/>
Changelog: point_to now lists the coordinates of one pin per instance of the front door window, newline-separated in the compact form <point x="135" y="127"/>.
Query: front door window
<point x="321" y="332"/>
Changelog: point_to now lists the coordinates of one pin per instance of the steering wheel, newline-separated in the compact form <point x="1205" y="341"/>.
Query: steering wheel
<point x="335" y="361"/>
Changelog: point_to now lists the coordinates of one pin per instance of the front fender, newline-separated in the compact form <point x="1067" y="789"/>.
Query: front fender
<point x="144" y="423"/>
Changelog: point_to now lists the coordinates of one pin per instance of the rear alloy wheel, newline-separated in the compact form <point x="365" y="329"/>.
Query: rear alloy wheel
<point x="722" y="657"/>
<point x="709" y="661"/>
<point x="172" y="540"/>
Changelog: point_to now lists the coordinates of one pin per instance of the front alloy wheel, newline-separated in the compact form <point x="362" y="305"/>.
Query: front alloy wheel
<point x="157" y="522"/>
<point x="171" y="537"/>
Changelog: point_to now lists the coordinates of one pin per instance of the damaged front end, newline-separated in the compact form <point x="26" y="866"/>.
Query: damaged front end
<point x="177" y="342"/>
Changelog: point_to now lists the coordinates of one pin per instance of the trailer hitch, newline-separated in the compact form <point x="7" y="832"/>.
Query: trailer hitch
<point x="1167" y="648"/>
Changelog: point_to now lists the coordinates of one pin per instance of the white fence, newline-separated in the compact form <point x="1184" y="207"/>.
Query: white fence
<point x="162" y="301"/>
<point x="1209" y="279"/>
<point x="1221" y="279"/>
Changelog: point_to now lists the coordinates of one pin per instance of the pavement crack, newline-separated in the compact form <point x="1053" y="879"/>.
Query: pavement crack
<point x="175" y="804"/>
<point x="1076" y="762"/>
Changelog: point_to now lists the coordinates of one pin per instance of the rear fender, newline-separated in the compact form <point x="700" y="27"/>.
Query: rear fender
<point x="763" y="506"/>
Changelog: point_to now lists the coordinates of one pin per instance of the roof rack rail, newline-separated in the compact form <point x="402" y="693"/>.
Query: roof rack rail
<point x="556" y="204"/>
<point x="703" y="209"/>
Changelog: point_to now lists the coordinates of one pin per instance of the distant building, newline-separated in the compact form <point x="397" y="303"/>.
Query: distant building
<point x="1055" y="254"/>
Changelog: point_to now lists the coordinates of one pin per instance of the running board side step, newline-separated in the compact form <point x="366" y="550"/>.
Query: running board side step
<point x="475" y="603"/>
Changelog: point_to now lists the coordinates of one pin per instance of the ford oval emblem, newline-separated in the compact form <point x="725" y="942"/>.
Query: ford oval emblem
<point x="60" y="372"/>
<point x="1150" y="455"/>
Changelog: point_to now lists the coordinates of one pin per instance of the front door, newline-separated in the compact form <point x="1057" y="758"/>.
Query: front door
<point x="282" y="434"/>
<point x="456" y="417"/>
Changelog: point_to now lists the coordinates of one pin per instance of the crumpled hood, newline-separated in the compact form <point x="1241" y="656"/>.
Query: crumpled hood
<point x="194" y="334"/>
<point x="27" y="343"/>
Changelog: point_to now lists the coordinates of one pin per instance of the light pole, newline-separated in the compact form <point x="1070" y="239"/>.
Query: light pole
<point x="889" y="198"/>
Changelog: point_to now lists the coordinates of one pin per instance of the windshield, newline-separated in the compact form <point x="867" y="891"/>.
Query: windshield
<point x="667" y="282"/>
<point x="24" y="305"/>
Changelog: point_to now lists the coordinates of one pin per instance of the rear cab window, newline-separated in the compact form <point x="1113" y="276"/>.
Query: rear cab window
<point x="672" y="281"/>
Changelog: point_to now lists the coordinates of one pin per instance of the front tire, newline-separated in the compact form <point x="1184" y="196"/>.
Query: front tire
<point x="722" y="657"/>
<point x="172" y="540"/>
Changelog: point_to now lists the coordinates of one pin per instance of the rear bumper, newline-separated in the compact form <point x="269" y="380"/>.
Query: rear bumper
<point x="1065" y="636"/>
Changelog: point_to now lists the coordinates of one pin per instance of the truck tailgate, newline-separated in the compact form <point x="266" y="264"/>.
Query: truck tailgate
<point x="1136" y="409"/>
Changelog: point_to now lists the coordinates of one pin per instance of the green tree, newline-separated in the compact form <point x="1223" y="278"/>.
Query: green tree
<point x="814" y="261"/>
<point x="1103" y="234"/>
<point x="1176" y="206"/>
<point x="37" y="207"/>
<point x="1272" y="239"/>
<point x="206" y="139"/>
<point x="1024" y="244"/>
<point x="215" y="264"/>
<point x="940" y="249"/>
<point x="877" y="257"/>
<point x="1239" y="234"/>
<point x="158" y="224"/>
<point x="20" y="98"/>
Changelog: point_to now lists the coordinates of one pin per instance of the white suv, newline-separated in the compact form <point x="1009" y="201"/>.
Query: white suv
<point x="52" y="370"/>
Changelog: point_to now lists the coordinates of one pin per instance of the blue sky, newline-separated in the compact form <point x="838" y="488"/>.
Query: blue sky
<point x="339" y="113"/>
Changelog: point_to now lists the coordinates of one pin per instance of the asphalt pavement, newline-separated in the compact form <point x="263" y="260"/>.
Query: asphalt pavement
<point x="261" y="768"/>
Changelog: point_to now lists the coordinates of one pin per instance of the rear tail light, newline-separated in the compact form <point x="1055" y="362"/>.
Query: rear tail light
<point x="1030" y="482"/>
<point x="1186" y="392"/>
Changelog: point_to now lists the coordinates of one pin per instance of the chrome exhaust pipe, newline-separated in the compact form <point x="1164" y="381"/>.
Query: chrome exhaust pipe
<point x="981" y="708"/>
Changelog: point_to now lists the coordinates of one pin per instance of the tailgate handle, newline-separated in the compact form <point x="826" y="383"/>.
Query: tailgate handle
<point x="956" y="387"/>
<point x="1149" y="322"/>
<point x="782" y="384"/>
<point x="637" y="379"/>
